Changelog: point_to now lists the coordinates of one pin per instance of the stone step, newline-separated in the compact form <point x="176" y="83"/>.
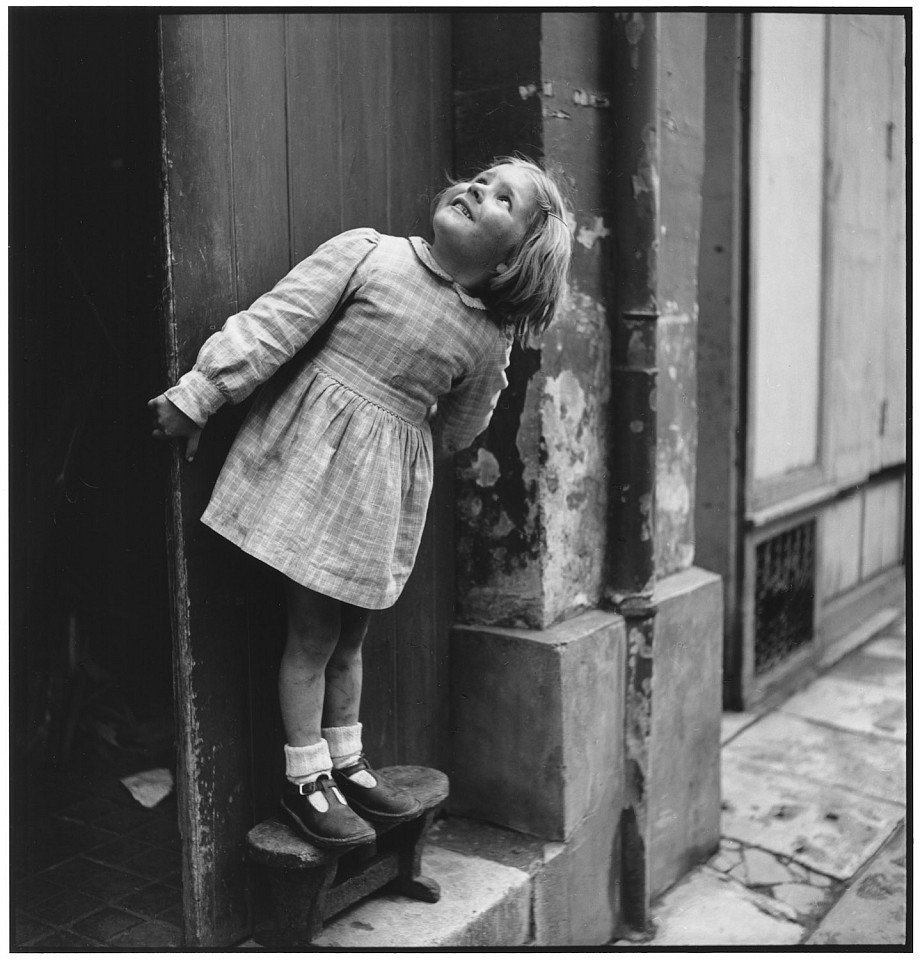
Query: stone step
<point x="487" y="876"/>
<point x="499" y="888"/>
<point x="483" y="904"/>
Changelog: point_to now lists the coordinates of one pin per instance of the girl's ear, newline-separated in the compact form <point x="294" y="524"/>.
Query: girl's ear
<point x="501" y="267"/>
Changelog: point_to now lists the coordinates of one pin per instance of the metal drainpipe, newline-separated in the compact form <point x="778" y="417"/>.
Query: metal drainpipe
<point x="634" y="428"/>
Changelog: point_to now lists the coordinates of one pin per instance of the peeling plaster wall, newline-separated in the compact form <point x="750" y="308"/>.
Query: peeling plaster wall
<point x="573" y="484"/>
<point x="532" y="493"/>
<point x="675" y="474"/>
<point x="498" y="544"/>
<point x="681" y="126"/>
<point x="576" y="353"/>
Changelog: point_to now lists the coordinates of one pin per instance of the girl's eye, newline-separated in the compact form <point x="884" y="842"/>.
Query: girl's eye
<point x="506" y="200"/>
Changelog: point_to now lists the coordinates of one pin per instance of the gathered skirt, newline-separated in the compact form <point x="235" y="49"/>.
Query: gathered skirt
<point x="328" y="487"/>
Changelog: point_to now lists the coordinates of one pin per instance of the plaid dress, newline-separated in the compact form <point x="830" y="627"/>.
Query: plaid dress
<point x="329" y="478"/>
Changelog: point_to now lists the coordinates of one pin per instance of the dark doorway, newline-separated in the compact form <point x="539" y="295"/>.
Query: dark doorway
<point x="90" y="643"/>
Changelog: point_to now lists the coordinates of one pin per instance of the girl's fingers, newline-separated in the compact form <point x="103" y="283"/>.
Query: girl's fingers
<point x="162" y="424"/>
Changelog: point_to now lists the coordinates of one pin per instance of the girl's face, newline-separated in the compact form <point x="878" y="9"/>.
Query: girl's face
<point x="479" y="224"/>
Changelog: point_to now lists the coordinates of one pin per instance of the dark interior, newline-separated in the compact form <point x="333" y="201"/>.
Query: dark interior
<point x="90" y="637"/>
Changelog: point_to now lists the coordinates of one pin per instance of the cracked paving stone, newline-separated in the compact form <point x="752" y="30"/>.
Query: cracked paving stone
<point x="803" y="748"/>
<point x="739" y="873"/>
<point x="724" y="861"/>
<point x="804" y="898"/>
<point x="826" y="828"/>
<point x="763" y="869"/>
<point x="709" y="909"/>
<point x="728" y="857"/>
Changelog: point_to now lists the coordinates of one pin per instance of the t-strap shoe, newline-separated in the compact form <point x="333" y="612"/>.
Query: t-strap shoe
<point x="381" y="802"/>
<point x="318" y="812"/>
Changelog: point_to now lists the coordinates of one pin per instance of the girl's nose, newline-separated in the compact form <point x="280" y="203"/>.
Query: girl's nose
<point x="476" y="190"/>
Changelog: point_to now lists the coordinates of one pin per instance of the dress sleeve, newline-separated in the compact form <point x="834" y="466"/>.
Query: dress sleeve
<point x="254" y="343"/>
<point x="465" y="411"/>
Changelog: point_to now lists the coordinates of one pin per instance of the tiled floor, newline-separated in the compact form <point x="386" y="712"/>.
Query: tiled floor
<point x="93" y="868"/>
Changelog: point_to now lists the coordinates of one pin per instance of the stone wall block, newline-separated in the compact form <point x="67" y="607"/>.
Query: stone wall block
<point x="576" y="892"/>
<point x="684" y="793"/>
<point x="536" y="720"/>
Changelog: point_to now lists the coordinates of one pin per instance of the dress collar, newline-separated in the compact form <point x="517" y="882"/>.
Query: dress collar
<point x="423" y="252"/>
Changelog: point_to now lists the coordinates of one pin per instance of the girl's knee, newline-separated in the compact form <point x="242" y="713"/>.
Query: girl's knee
<point x="353" y="630"/>
<point x="314" y="621"/>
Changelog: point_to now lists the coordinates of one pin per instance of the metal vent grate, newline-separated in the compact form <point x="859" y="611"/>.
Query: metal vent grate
<point x="784" y="596"/>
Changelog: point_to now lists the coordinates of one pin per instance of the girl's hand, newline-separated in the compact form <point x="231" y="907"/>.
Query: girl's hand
<point x="170" y="422"/>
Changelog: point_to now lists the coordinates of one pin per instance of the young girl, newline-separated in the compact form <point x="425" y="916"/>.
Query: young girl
<point x="329" y="477"/>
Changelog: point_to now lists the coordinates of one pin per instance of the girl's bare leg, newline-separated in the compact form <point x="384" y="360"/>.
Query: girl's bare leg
<point x="314" y="625"/>
<point x="345" y="668"/>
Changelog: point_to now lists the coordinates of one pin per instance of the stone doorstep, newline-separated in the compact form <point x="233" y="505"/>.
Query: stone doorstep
<point x="483" y="904"/>
<point x="486" y="900"/>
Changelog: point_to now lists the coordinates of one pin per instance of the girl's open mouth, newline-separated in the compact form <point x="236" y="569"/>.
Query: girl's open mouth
<point x="461" y="205"/>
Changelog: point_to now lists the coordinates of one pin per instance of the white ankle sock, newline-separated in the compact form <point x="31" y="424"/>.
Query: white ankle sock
<point x="306" y="764"/>
<point x="345" y="748"/>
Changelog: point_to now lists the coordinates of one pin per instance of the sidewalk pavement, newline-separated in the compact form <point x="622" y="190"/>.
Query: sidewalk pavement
<point x="813" y="847"/>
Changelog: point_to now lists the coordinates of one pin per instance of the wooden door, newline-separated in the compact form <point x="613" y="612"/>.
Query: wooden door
<point x="281" y="130"/>
<point x="786" y="222"/>
<point x="867" y="312"/>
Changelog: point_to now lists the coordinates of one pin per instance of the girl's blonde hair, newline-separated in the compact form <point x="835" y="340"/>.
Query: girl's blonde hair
<point x="527" y="295"/>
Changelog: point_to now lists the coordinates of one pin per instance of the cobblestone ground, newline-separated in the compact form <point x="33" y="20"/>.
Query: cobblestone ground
<point x="92" y="868"/>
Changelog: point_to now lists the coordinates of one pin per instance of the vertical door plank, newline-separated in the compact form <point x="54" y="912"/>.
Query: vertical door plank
<point x="441" y="102"/>
<point x="858" y="93"/>
<point x="365" y="118"/>
<point x="314" y="129"/>
<point x="440" y="109"/>
<point x="441" y="512"/>
<point x="425" y="610"/>
<point x="380" y="708"/>
<point x="407" y="182"/>
<point x="894" y="427"/>
<point x="257" y="90"/>
<point x="410" y="142"/>
<point x="205" y="573"/>
<point x="258" y="138"/>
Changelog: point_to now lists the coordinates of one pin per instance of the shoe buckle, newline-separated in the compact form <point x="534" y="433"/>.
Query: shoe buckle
<point x="320" y="783"/>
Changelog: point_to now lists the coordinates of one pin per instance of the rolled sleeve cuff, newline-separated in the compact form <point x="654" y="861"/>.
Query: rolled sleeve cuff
<point x="196" y="396"/>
